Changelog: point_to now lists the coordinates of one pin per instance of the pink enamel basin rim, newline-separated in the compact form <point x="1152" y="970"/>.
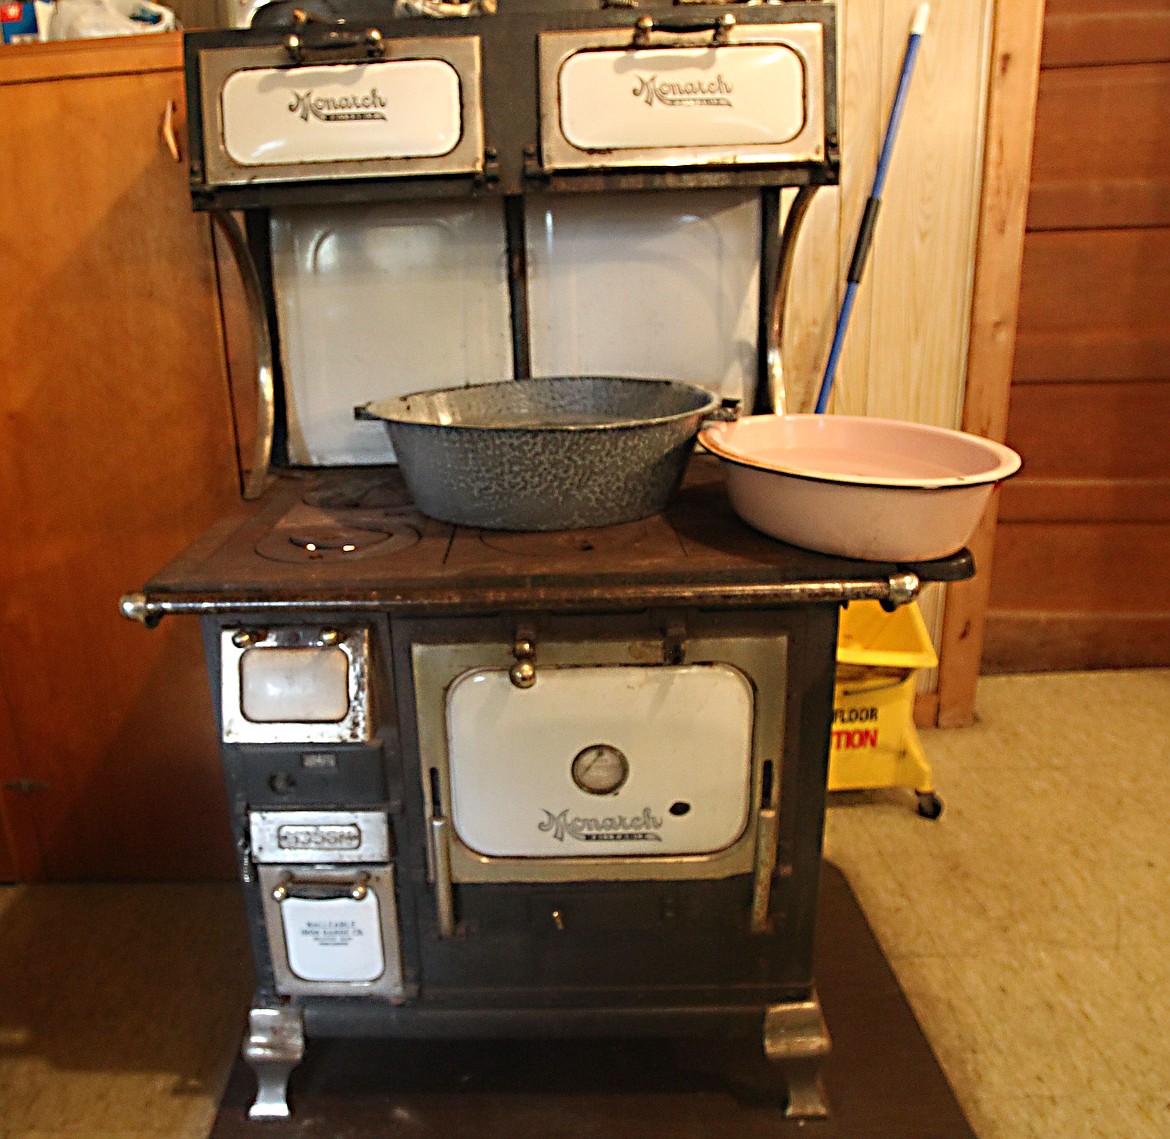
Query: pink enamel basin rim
<point x="857" y="449"/>
<point x="859" y="487"/>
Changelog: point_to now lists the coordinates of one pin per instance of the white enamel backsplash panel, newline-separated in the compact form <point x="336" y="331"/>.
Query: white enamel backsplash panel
<point x="662" y="285"/>
<point x="396" y="109"/>
<point x="685" y="734"/>
<point x="375" y="301"/>
<point x="733" y="96"/>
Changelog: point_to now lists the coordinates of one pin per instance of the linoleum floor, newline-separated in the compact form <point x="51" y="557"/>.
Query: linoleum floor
<point x="1029" y="926"/>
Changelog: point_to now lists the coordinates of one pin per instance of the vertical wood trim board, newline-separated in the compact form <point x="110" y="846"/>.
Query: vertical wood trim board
<point x="1011" y="112"/>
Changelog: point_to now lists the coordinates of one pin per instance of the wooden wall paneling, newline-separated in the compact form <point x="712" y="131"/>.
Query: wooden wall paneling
<point x="1091" y="431"/>
<point x="1085" y="529"/>
<point x="1062" y="642"/>
<point x="117" y="451"/>
<point x="1013" y="79"/>
<point x="861" y="94"/>
<point x="1083" y="566"/>
<point x="1100" y="158"/>
<point x="1104" y="596"/>
<point x="1093" y="305"/>
<point x="905" y="353"/>
<point x="920" y="274"/>
<point x="1034" y="499"/>
<point x="1109" y="31"/>
<point x="921" y="271"/>
<point x="822" y="256"/>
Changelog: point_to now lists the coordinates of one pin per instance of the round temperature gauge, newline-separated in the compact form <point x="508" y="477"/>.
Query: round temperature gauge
<point x="600" y="769"/>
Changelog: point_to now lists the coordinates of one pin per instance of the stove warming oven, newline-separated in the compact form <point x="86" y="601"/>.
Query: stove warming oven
<point x="495" y="783"/>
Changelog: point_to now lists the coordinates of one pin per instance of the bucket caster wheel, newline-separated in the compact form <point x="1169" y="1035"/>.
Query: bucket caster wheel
<point x="930" y="806"/>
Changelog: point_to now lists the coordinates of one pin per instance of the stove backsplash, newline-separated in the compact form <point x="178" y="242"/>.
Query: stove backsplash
<point x="379" y="300"/>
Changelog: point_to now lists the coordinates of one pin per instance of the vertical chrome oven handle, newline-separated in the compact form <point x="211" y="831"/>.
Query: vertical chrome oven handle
<point x="444" y="890"/>
<point x="767" y="853"/>
<point x="777" y="393"/>
<point x="257" y="479"/>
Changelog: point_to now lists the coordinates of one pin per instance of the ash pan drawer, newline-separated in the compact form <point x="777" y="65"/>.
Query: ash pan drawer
<point x="329" y="901"/>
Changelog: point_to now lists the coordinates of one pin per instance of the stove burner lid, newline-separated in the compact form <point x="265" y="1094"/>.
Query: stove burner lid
<point x="309" y="534"/>
<point x="372" y="491"/>
<point x="559" y="543"/>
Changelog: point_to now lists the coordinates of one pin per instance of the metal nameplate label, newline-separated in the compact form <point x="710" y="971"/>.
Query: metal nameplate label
<point x="307" y="837"/>
<point x="319" y="836"/>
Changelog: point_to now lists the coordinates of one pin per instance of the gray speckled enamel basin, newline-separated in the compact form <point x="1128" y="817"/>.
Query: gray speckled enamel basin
<point x="545" y="454"/>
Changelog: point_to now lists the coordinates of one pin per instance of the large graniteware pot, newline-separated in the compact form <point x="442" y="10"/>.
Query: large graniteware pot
<point x="545" y="454"/>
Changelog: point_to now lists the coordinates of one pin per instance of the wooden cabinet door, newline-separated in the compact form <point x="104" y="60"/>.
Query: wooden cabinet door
<point x="117" y="448"/>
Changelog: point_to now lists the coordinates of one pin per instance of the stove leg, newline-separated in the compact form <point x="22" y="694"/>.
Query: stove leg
<point x="274" y="1046"/>
<point x="796" y="1039"/>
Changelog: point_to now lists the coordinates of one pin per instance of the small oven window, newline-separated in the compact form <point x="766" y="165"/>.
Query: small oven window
<point x="303" y="686"/>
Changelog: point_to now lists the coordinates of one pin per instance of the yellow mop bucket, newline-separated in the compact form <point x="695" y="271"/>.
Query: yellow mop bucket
<point x="874" y="742"/>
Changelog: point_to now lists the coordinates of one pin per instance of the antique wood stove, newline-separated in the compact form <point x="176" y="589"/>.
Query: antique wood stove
<point x="489" y="783"/>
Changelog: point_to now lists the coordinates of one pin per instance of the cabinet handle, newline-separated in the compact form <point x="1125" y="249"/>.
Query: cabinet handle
<point x="168" y="131"/>
<point x="262" y="345"/>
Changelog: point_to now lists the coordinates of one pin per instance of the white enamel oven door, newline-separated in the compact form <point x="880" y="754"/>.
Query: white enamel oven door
<point x="417" y="111"/>
<point x="755" y="93"/>
<point x="608" y="767"/>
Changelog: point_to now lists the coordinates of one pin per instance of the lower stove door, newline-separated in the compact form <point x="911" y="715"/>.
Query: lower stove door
<point x="609" y="767"/>
<point x="332" y="930"/>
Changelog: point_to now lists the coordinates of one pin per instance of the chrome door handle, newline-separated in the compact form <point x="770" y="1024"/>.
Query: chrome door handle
<point x="720" y="28"/>
<point x="318" y="888"/>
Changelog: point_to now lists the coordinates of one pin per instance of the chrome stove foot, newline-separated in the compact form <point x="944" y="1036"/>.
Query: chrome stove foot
<point x="796" y="1039"/>
<point x="274" y="1046"/>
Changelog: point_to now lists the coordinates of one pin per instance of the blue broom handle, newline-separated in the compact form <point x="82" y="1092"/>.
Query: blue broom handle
<point x="864" y="240"/>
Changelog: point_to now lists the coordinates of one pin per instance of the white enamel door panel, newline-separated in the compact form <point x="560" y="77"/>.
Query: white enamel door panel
<point x="618" y="100"/>
<point x="609" y="99"/>
<point x="403" y="109"/>
<point x="375" y="301"/>
<point x="601" y="762"/>
<point x="661" y="285"/>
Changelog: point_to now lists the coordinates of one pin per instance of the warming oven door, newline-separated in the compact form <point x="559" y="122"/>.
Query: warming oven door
<point x="269" y="116"/>
<point x="681" y="93"/>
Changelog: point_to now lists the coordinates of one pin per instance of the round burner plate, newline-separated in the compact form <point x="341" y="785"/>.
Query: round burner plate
<point x="309" y="543"/>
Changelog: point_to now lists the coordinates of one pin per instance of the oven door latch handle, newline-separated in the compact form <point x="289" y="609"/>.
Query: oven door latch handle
<point x="523" y="673"/>
<point x="320" y="889"/>
<point x="720" y="28"/>
<point x="312" y="34"/>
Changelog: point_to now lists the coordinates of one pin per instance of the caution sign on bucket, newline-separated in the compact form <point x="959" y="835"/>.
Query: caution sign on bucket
<point x="873" y="741"/>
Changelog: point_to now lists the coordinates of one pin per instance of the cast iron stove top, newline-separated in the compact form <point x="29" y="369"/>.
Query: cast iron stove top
<point x="353" y="539"/>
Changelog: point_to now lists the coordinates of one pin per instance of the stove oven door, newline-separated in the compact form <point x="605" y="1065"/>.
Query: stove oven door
<point x="612" y="765"/>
